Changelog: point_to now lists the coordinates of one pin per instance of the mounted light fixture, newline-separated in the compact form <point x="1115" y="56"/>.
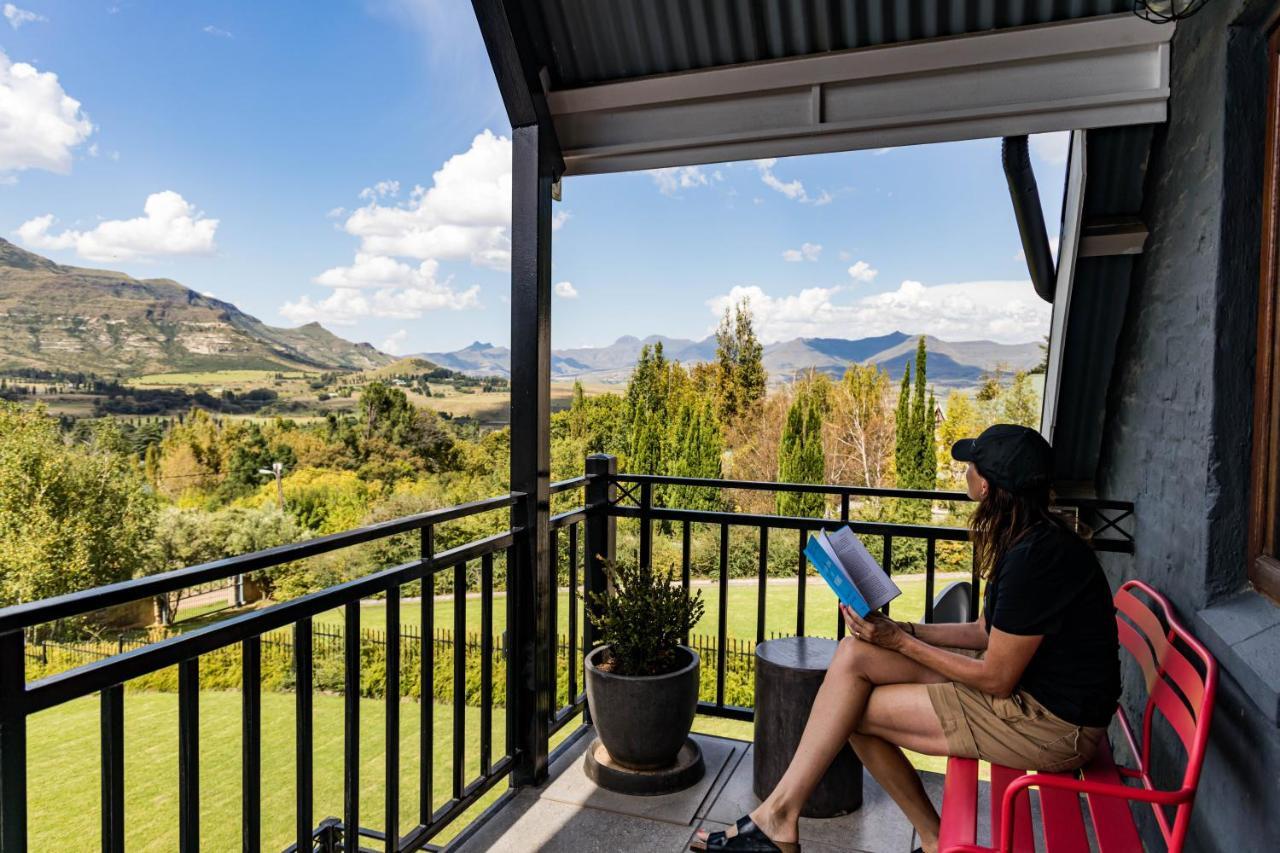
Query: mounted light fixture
<point x="1166" y="11"/>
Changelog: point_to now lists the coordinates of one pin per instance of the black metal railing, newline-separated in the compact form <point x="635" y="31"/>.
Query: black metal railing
<point x="108" y="676"/>
<point x="582" y="518"/>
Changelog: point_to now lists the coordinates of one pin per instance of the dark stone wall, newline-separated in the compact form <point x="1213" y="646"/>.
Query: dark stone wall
<point x="1176" y="436"/>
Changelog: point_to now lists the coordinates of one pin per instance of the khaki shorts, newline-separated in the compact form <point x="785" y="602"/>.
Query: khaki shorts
<point x="1016" y="731"/>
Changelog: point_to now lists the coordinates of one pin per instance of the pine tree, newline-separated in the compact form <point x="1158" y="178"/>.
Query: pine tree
<point x="1020" y="403"/>
<point x="751" y="373"/>
<point x="741" y="376"/>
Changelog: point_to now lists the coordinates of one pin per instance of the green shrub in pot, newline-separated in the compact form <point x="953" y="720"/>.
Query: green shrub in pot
<point x="642" y="684"/>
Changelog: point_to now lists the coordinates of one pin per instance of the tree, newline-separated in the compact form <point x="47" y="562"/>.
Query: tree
<point x="800" y="456"/>
<point x="923" y="462"/>
<point x="71" y="516"/>
<point x="860" y="430"/>
<point x="960" y="421"/>
<point x="740" y="362"/>
<point x="698" y="446"/>
<point x="1021" y="404"/>
<point x="904" y="443"/>
<point x="915" y="453"/>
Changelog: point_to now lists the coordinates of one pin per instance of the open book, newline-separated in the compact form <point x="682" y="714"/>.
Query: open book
<point x="850" y="570"/>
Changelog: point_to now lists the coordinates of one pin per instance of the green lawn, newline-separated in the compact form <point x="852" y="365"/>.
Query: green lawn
<point x="64" y="782"/>
<point x="780" y="608"/>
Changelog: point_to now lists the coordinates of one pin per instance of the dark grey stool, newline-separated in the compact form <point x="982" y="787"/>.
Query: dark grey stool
<point x="788" y="674"/>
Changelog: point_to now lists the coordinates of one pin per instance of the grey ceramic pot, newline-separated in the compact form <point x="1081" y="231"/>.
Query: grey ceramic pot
<point x="643" y="720"/>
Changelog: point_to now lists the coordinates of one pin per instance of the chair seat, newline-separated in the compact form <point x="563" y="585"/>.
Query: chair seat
<point x="1061" y="816"/>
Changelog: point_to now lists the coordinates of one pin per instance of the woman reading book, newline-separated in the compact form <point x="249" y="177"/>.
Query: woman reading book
<point x="1031" y="684"/>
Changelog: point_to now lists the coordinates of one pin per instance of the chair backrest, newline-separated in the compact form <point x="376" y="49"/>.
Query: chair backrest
<point x="1181" y="691"/>
<point x="952" y="604"/>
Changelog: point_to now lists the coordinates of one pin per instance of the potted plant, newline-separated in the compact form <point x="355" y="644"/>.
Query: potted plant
<point x="642" y="683"/>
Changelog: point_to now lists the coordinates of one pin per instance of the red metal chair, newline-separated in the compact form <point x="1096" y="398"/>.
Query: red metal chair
<point x="1181" y="692"/>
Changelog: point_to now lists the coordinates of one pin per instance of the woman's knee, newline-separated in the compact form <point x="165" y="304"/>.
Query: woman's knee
<point x="851" y="655"/>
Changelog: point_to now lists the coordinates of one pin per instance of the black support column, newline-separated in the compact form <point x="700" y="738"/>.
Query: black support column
<point x="529" y="580"/>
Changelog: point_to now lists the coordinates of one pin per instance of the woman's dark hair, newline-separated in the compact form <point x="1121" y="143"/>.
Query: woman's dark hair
<point x="1002" y="518"/>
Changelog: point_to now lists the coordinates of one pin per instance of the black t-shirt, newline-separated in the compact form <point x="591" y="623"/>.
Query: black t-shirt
<point x="1050" y="583"/>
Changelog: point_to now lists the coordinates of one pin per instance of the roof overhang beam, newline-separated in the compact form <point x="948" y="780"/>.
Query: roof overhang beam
<point x="1095" y="72"/>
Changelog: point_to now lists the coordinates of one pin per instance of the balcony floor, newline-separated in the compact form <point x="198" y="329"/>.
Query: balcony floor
<point x="569" y="813"/>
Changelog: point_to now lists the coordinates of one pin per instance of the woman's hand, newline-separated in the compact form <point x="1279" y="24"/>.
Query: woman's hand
<point x="876" y="628"/>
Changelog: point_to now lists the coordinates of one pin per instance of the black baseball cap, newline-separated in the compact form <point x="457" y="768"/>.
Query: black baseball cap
<point x="1015" y="458"/>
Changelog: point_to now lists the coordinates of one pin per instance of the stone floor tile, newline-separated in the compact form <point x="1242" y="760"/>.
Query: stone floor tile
<point x="571" y="786"/>
<point x="877" y="826"/>
<point x="529" y="823"/>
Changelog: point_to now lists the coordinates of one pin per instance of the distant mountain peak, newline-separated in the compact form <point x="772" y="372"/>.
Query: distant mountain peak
<point x="57" y="317"/>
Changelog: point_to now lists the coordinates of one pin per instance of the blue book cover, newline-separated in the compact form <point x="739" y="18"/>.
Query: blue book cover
<point x="825" y="561"/>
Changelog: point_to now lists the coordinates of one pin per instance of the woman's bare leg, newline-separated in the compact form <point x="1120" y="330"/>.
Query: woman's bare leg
<point x="902" y="714"/>
<point x="855" y="671"/>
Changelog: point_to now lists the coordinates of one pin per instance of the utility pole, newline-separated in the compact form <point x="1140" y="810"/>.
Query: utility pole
<point x="276" y="470"/>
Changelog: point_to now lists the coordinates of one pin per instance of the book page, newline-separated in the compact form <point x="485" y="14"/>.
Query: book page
<point x="871" y="580"/>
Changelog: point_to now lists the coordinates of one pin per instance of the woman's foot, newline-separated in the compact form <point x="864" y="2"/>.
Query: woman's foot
<point x="749" y="836"/>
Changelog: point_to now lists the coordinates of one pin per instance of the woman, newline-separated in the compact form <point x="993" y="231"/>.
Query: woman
<point x="1032" y="684"/>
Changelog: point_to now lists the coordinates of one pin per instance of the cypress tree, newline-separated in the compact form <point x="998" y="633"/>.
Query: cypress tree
<point x="929" y="457"/>
<point x="903" y="448"/>
<point x="921" y="426"/>
<point x="801" y="458"/>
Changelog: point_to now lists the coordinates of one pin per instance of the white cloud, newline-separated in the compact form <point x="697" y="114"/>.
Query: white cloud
<point x="559" y="218"/>
<point x="394" y="343"/>
<point x="40" y="124"/>
<point x="793" y="190"/>
<point x="566" y="290"/>
<point x="1004" y="311"/>
<point x="879" y="152"/>
<point x="378" y="286"/>
<point x="863" y="271"/>
<point x="170" y="226"/>
<point x="17" y="17"/>
<point x="1052" y="148"/>
<point x="382" y="189"/>
<point x="806" y="252"/>
<point x="676" y="178"/>
<point x="465" y="213"/>
<point x="216" y="31"/>
<point x="844" y="255"/>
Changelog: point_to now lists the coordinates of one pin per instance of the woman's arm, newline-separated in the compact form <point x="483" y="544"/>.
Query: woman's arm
<point x="960" y="635"/>
<point x="997" y="672"/>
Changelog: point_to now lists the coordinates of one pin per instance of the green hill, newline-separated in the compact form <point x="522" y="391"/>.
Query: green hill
<point x="74" y="319"/>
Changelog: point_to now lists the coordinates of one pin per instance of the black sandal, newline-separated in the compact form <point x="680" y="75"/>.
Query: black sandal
<point x="749" y="839"/>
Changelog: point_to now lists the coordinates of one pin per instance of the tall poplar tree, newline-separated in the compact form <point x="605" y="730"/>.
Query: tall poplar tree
<point x="903" y="448"/>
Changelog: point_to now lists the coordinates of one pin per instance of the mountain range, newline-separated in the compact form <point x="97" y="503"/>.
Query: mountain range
<point x="57" y="317"/>
<point x="951" y="363"/>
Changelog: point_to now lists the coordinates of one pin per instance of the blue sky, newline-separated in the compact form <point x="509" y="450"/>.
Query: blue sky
<point x="348" y="162"/>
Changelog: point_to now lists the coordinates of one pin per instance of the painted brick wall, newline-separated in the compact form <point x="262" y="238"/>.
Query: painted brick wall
<point x="1176" y="435"/>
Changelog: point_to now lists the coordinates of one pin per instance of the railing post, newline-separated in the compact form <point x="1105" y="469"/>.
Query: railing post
<point x="13" y="744"/>
<point x="602" y="529"/>
<point x="530" y="580"/>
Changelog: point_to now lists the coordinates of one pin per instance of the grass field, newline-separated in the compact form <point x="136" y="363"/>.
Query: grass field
<point x="780" y="608"/>
<point x="216" y="377"/>
<point x="64" y="782"/>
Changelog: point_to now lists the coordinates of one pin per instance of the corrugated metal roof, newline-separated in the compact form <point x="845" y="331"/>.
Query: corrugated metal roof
<point x="595" y="41"/>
